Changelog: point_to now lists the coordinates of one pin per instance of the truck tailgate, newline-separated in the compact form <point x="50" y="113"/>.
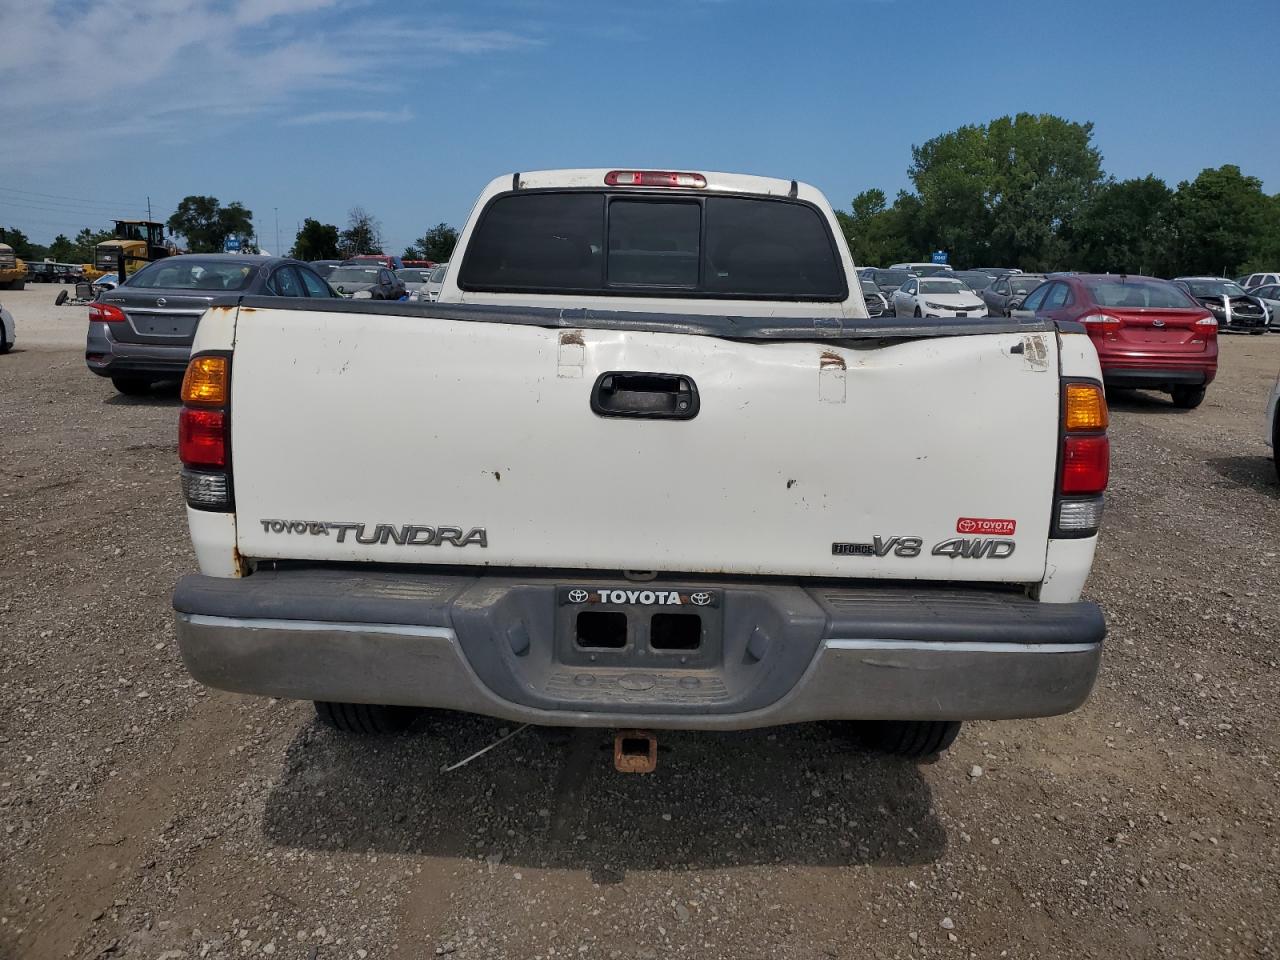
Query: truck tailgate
<point x="805" y="458"/>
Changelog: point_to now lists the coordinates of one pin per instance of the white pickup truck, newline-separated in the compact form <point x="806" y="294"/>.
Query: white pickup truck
<point x="645" y="464"/>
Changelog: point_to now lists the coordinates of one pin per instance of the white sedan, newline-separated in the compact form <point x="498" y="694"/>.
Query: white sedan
<point x="8" y="331"/>
<point x="937" y="297"/>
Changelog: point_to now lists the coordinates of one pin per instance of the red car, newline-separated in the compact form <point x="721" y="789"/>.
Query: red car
<point x="1149" y="333"/>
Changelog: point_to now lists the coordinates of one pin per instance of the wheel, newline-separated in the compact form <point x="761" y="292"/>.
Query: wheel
<point x="366" y="718"/>
<point x="913" y="739"/>
<point x="1258" y="331"/>
<point x="61" y="298"/>
<point x="1187" y="398"/>
<point x="131" y="386"/>
<point x="5" y="345"/>
<point x="18" y="284"/>
<point x="918" y="313"/>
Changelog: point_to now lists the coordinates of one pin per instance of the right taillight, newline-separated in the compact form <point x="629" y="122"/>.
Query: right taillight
<point x="204" y="433"/>
<point x="1084" y="460"/>
<point x="1086" y="464"/>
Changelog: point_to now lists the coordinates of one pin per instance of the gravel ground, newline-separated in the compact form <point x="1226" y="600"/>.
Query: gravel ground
<point x="144" y="816"/>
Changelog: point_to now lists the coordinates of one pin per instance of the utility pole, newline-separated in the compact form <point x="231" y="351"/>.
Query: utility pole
<point x="148" y="208"/>
<point x="277" y="212"/>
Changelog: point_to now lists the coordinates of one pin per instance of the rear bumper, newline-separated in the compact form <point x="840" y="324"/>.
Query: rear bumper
<point x="488" y="645"/>
<point x="109" y="357"/>
<point x="1157" y="377"/>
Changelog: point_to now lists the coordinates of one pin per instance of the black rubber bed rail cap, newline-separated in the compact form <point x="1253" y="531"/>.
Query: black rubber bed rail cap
<point x="726" y="325"/>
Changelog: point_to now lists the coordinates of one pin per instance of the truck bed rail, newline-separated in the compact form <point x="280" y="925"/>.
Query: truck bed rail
<point x="707" y="325"/>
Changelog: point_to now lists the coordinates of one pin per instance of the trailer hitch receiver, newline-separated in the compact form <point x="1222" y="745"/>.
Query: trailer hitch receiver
<point x="635" y="751"/>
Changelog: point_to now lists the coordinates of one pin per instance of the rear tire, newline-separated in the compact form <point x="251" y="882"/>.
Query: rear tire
<point x="131" y="386"/>
<point x="1187" y="398"/>
<point x="911" y="739"/>
<point x="365" y="718"/>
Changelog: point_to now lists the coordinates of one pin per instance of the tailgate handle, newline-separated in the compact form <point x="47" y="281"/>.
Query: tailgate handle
<point x="649" y="396"/>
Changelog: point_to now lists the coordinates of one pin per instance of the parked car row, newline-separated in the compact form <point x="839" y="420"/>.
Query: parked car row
<point x="141" y="331"/>
<point x="1150" y="333"/>
<point x="367" y="279"/>
<point x="378" y="276"/>
<point x="1237" y="307"/>
<point x="39" y="271"/>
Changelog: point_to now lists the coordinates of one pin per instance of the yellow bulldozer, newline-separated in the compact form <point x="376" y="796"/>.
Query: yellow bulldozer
<point x="13" y="272"/>
<point x="135" y="244"/>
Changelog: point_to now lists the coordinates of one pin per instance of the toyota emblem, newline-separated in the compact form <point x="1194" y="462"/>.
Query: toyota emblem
<point x="577" y="596"/>
<point x="701" y="599"/>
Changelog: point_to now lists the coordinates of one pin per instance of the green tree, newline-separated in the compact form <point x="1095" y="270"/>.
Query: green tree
<point x="316" y="241"/>
<point x="1266" y="250"/>
<point x="206" y="224"/>
<point x="1123" y="228"/>
<point x="878" y="234"/>
<point x="86" y="241"/>
<point x="23" y="248"/>
<point x="62" y="249"/>
<point x="1006" y="192"/>
<point x="363" y="233"/>
<point x="1217" y="222"/>
<point x="437" y="243"/>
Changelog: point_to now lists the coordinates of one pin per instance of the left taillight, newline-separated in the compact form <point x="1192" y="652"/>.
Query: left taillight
<point x="204" y="433"/>
<point x="1084" y="459"/>
<point x="105" y="313"/>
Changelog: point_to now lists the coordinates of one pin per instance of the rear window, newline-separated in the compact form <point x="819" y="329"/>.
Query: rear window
<point x="1024" y="283"/>
<point x="1215" y="288"/>
<point x="355" y="275"/>
<point x="942" y="286"/>
<point x="891" y="278"/>
<point x="1139" y="293"/>
<point x="975" y="280"/>
<point x="183" y="273"/>
<point x="679" y="246"/>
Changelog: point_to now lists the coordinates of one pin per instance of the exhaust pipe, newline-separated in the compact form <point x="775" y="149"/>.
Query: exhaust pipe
<point x="635" y="751"/>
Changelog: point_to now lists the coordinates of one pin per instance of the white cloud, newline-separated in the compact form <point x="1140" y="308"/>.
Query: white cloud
<point x="403" y="115"/>
<point x="181" y="70"/>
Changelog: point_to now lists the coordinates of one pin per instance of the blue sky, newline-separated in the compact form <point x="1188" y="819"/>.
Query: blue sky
<point x="314" y="106"/>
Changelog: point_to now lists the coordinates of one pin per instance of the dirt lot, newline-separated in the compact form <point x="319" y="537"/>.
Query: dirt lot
<point x="144" y="816"/>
